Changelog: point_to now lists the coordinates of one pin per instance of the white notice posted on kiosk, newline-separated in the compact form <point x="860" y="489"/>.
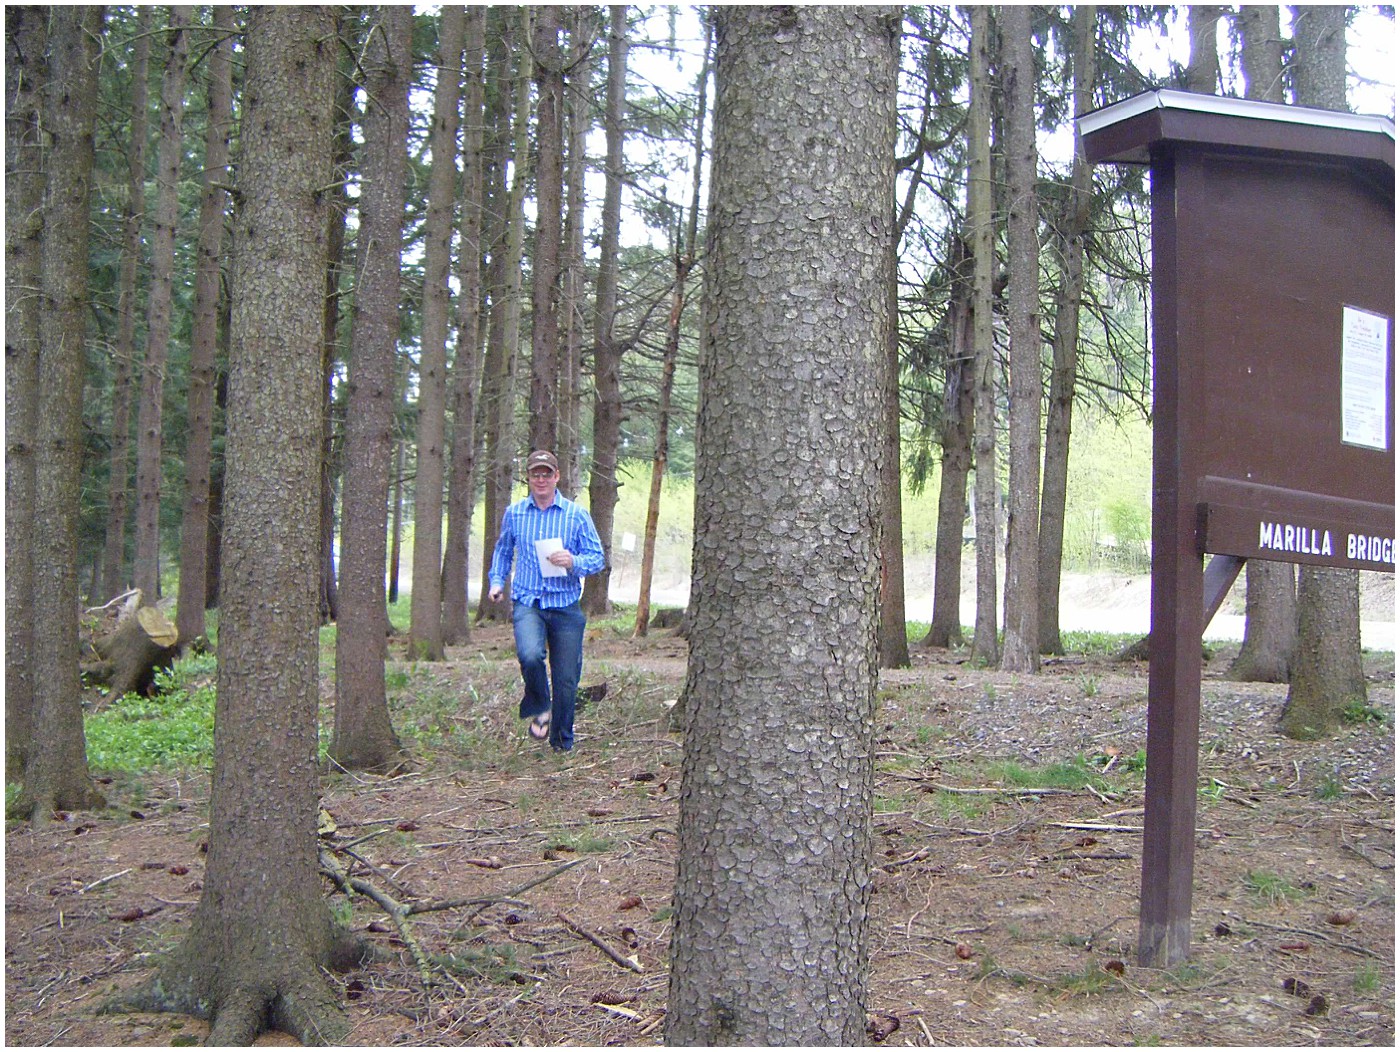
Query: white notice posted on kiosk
<point x="1365" y="394"/>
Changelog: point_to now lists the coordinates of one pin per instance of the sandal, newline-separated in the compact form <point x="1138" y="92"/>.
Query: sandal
<point x="539" y="727"/>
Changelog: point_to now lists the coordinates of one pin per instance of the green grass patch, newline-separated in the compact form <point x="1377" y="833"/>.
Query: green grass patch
<point x="174" y="730"/>
<point x="1270" y="888"/>
<point x="1357" y="712"/>
<point x="1074" y="774"/>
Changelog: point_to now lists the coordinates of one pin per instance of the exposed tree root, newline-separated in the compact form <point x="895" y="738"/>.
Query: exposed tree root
<point x="244" y="1001"/>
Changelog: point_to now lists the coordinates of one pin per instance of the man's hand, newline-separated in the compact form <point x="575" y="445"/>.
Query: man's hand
<point x="563" y="557"/>
<point x="497" y="594"/>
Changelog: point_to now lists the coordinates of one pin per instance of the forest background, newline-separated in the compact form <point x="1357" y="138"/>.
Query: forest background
<point x="1107" y="499"/>
<point x="436" y="373"/>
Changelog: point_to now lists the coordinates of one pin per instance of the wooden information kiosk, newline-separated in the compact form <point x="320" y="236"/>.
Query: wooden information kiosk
<point x="1273" y="394"/>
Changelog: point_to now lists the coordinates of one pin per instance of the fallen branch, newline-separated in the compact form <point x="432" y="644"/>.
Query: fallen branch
<point x="398" y="913"/>
<point x="510" y="898"/>
<point x="609" y="952"/>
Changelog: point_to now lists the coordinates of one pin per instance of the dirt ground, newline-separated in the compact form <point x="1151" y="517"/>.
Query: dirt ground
<point x="1008" y="846"/>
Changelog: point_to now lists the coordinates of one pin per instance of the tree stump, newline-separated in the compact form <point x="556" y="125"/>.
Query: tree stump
<point x="140" y="646"/>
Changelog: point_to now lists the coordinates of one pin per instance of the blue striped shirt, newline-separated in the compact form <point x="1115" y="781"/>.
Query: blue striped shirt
<point x="522" y="525"/>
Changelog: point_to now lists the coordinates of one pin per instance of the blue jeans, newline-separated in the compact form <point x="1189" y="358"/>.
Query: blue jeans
<point x="557" y="634"/>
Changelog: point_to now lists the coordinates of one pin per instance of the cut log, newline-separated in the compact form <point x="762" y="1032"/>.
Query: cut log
<point x="140" y="646"/>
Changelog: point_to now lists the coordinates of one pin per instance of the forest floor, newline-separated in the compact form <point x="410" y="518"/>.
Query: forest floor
<point x="1007" y="853"/>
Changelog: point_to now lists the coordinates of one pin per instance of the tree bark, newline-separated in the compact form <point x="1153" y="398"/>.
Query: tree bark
<point x="159" y="306"/>
<point x="55" y="772"/>
<point x="1271" y="623"/>
<point x="332" y="438"/>
<point x="194" y="529"/>
<point x="141" y="646"/>
<point x="1326" y="675"/>
<point x="1064" y="374"/>
<point x="425" y="640"/>
<point x="26" y="40"/>
<point x="1261" y="52"/>
<point x="1203" y="67"/>
<point x="363" y="737"/>
<point x="607" y="349"/>
<point x="1319" y="52"/>
<point x="503" y="350"/>
<point x="549" y="231"/>
<point x="119" y="481"/>
<point x="261" y="932"/>
<point x="1021" y="645"/>
<point x="981" y="224"/>
<point x="583" y="26"/>
<point x="772" y="885"/>
<point x="684" y="255"/>
<point x="945" y="626"/>
<point x="466" y="367"/>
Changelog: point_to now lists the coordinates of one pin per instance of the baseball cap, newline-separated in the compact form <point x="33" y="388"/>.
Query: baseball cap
<point x="541" y="458"/>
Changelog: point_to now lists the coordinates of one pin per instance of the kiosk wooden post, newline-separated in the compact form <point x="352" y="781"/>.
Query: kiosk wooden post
<point x="1273" y="287"/>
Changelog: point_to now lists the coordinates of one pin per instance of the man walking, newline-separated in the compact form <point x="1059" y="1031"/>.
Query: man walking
<point x="554" y="546"/>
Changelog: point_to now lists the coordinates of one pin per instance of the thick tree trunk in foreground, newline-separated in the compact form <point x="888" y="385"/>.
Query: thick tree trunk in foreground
<point x="773" y="882"/>
<point x="26" y="34"/>
<point x="55" y="771"/>
<point x="262" y="932"/>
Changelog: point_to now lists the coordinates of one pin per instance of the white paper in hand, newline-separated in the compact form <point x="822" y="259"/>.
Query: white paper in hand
<point x="543" y="550"/>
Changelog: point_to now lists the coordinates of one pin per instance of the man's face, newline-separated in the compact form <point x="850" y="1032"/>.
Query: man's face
<point x="543" y="481"/>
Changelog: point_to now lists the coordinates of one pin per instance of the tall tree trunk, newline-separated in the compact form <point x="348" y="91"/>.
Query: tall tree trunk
<point x="146" y="569"/>
<point x="1326" y="675"/>
<point x="549" y="211"/>
<point x="684" y="255"/>
<point x="425" y="615"/>
<point x="1021" y="645"/>
<point x="396" y="520"/>
<point x="504" y="349"/>
<point x="332" y="438"/>
<point x="1203" y="67"/>
<point x="1064" y="375"/>
<point x="981" y="224"/>
<point x="772" y="883"/>
<point x="123" y="393"/>
<point x="466" y="367"/>
<point x="26" y="40"/>
<point x="262" y="933"/>
<point x="892" y="634"/>
<point x="1319" y="53"/>
<point x="194" y="530"/>
<point x="607" y="349"/>
<point x="363" y="738"/>
<point x="578" y="111"/>
<point x="1271" y="623"/>
<point x="945" y="626"/>
<point x="55" y="772"/>
<point x="1261" y="51"/>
